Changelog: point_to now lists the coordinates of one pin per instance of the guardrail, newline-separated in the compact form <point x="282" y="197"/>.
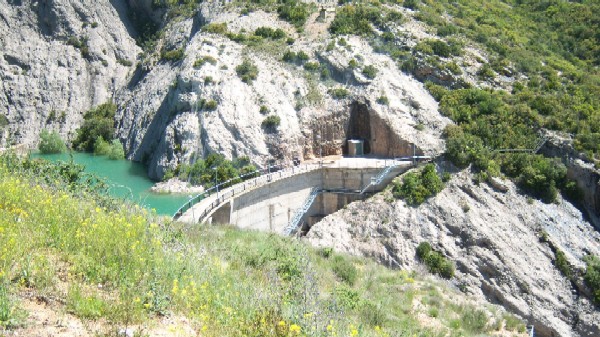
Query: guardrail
<point x="246" y="185"/>
<point x="295" y="222"/>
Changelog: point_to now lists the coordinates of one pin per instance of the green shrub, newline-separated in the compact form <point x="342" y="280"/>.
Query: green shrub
<point x="289" y="56"/>
<point x="3" y="121"/>
<point x="416" y="187"/>
<point x="383" y="100"/>
<point x="351" y="19"/>
<point x="347" y="297"/>
<point x="271" y="122"/>
<point x="90" y="307"/>
<point x="294" y="11"/>
<point x="205" y="59"/>
<point x="247" y="71"/>
<point x="101" y="147"/>
<point x="216" y="28"/>
<point x="175" y="55"/>
<point x="592" y="276"/>
<point x="512" y="323"/>
<point x="210" y="105"/>
<point x="423" y="249"/>
<point x="263" y="109"/>
<point x="270" y="33"/>
<point x="411" y="4"/>
<point x="116" y="150"/>
<point x="97" y="122"/>
<point x="369" y="71"/>
<point x="124" y="62"/>
<point x="50" y="142"/>
<point x="344" y="269"/>
<point x="81" y="44"/>
<point x="474" y="320"/>
<point x="302" y="56"/>
<point x="339" y="93"/>
<point x="435" y="262"/>
<point x="311" y="66"/>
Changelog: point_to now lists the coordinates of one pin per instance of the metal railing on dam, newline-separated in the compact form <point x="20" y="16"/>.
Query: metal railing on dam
<point x="269" y="202"/>
<point x="220" y="196"/>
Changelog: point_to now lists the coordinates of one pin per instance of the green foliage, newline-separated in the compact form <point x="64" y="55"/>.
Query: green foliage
<point x="592" y="276"/>
<point x="101" y="147"/>
<point x="3" y="121"/>
<point x="351" y="19"/>
<point x="294" y="11"/>
<point x="90" y="307"/>
<point x="416" y="187"/>
<point x="512" y="323"/>
<point x="50" y="142"/>
<point x="97" y="122"/>
<point x="270" y="33"/>
<point x="344" y="269"/>
<point x="247" y="71"/>
<point x="271" y="122"/>
<point x="562" y="264"/>
<point x="474" y="320"/>
<point x="338" y="93"/>
<point x="81" y="44"/>
<point x="264" y="109"/>
<point x="383" y="100"/>
<point x="435" y="262"/>
<point x="216" y="28"/>
<point x="122" y="266"/>
<point x="203" y="60"/>
<point x="369" y="71"/>
<point x="174" y="55"/>
<point x="312" y="66"/>
<point x="116" y="150"/>
<point x="347" y="297"/>
<point x="203" y="172"/>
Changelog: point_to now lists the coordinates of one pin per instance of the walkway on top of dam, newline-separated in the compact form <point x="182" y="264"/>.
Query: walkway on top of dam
<point x="345" y="175"/>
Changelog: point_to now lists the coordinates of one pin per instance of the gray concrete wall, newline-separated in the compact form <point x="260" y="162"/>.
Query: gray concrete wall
<point x="271" y="207"/>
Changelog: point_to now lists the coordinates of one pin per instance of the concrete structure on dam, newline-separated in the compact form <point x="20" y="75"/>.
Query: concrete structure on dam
<point x="276" y="201"/>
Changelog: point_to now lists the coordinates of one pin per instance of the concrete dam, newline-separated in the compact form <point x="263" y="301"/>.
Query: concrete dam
<point x="292" y="200"/>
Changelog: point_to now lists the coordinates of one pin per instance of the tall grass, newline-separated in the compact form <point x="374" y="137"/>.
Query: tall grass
<point x="121" y="265"/>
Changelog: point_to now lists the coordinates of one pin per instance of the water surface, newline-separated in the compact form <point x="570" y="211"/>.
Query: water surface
<point x="127" y="180"/>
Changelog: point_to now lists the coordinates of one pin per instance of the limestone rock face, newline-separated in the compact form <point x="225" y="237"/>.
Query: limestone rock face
<point x="58" y="59"/>
<point x="312" y="121"/>
<point x="501" y="242"/>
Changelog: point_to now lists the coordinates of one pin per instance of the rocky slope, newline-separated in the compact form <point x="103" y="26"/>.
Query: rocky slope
<point x="58" y="59"/>
<point x="502" y="243"/>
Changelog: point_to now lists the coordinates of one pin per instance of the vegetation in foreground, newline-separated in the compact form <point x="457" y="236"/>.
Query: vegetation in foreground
<point x="116" y="264"/>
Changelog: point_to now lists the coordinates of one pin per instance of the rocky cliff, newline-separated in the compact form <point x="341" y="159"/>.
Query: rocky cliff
<point x="58" y="59"/>
<point x="502" y="243"/>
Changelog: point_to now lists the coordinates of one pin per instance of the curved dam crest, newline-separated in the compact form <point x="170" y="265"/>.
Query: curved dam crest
<point x="270" y="203"/>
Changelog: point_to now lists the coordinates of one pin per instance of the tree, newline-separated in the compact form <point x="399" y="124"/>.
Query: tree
<point x="50" y="142"/>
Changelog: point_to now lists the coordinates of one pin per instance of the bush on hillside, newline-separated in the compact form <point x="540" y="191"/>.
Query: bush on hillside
<point x="592" y="276"/>
<point x="416" y="187"/>
<point x="97" y="122"/>
<point x="116" y="150"/>
<point x="50" y="142"/>
<point x="436" y="263"/>
<point x="247" y="71"/>
<point x="294" y="11"/>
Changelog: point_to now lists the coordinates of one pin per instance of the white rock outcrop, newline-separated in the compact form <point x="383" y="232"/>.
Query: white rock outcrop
<point x="495" y="239"/>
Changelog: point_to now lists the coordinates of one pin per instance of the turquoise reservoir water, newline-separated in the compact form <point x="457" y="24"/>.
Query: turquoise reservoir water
<point x="128" y="180"/>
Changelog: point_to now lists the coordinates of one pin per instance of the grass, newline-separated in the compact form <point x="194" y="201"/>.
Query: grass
<point x="120" y="265"/>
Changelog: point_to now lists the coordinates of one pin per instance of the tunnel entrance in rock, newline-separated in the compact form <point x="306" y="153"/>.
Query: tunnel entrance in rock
<point x="379" y="137"/>
<point x="359" y="127"/>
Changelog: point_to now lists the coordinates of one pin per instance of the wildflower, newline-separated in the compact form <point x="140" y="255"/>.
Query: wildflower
<point x="281" y="323"/>
<point x="353" y="332"/>
<point x="295" y="329"/>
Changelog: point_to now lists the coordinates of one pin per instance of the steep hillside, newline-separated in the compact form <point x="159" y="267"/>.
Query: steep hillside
<point x="504" y="245"/>
<point x="58" y="59"/>
<point x="74" y="263"/>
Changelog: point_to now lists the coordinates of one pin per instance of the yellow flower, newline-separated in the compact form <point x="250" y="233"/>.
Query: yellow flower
<point x="295" y="329"/>
<point x="354" y="332"/>
<point x="281" y="323"/>
<point x="329" y="327"/>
